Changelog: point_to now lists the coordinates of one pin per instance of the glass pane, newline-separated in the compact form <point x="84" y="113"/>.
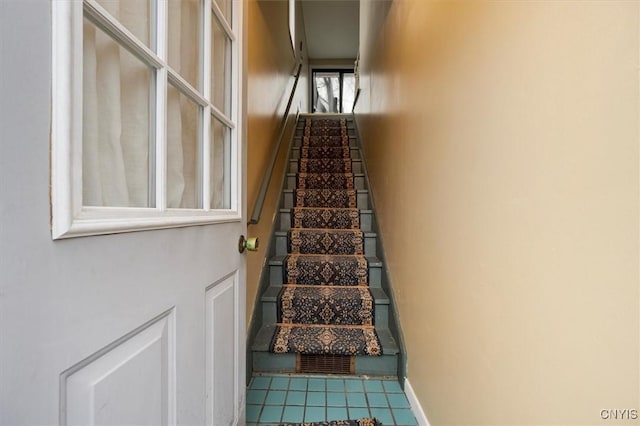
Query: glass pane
<point x="115" y="127"/>
<point x="348" y="91"/>
<point x="220" y="165"/>
<point x="326" y="94"/>
<point x="183" y="151"/>
<point x="184" y="39"/>
<point x="134" y="15"/>
<point x="225" y="7"/>
<point x="220" y="48"/>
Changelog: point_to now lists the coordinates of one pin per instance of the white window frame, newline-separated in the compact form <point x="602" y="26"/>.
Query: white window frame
<point x="69" y="217"/>
<point x="292" y="26"/>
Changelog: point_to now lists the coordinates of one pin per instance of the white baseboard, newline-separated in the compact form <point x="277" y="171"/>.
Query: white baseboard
<point x="421" y="417"/>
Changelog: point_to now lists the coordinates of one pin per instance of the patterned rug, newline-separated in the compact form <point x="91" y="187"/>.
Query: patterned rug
<point x="325" y="123"/>
<point x="327" y="218"/>
<point x="340" y="198"/>
<point x="325" y="305"/>
<point x="325" y="151"/>
<point x="325" y="131"/>
<point x="320" y="304"/>
<point x="359" y="422"/>
<point x="326" y="241"/>
<point x="326" y="339"/>
<point x="314" y="269"/>
<point x="324" y="165"/>
<point x="324" y="181"/>
<point x="319" y="140"/>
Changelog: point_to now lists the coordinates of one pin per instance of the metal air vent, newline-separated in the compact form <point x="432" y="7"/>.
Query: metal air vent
<point x="325" y="364"/>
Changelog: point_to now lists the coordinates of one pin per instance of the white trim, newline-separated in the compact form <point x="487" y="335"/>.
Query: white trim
<point x="221" y="117"/>
<point x="223" y="20"/>
<point x="187" y="89"/>
<point x="418" y="412"/>
<point x="206" y="113"/>
<point x="65" y="126"/>
<point x="167" y="219"/>
<point x="237" y="92"/>
<point x="292" y="26"/>
<point x="100" y="17"/>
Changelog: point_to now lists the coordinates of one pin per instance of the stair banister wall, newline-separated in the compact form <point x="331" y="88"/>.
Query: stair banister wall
<point x="266" y="180"/>
<point x="271" y="72"/>
<point x="271" y="194"/>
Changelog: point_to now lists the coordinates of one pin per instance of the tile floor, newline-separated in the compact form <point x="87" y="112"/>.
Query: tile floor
<point x="273" y="399"/>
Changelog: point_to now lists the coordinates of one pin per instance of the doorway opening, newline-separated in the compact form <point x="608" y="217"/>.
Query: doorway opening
<point x="333" y="90"/>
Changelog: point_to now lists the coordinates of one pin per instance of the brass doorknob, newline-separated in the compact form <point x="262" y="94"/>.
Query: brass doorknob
<point x="250" y="244"/>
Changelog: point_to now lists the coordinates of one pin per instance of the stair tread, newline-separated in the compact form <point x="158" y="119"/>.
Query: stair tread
<point x="277" y="260"/>
<point x="271" y="295"/>
<point x="366" y="211"/>
<point x="282" y="233"/>
<point x="290" y="174"/>
<point x="263" y="340"/>
<point x="361" y="191"/>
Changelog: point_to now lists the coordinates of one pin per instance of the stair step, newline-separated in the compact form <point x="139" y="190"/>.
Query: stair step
<point x="297" y="141"/>
<point x="356" y="167"/>
<point x="276" y="273"/>
<point x="325" y="181"/>
<point x="362" y="199"/>
<point x="325" y="218"/>
<point x="366" y="220"/>
<point x="270" y="297"/>
<point x="296" y="152"/>
<point x="265" y="361"/>
<point x="326" y="305"/>
<point x="351" y="132"/>
<point x="358" y="180"/>
<point x="326" y="121"/>
<point x="326" y="241"/>
<point x="282" y="243"/>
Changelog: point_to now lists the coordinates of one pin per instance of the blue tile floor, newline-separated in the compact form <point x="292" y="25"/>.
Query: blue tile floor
<point x="280" y="398"/>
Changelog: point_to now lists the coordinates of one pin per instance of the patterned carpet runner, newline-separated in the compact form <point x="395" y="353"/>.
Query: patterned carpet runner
<point x="359" y="422"/>
<point x="325" y="305"/>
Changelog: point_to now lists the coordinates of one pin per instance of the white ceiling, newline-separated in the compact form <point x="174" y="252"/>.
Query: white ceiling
<point x="332" y="28"/>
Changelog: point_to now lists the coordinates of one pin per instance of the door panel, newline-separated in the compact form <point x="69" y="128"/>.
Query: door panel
<point x="222" y="347"/>
<point x="139" y="367"/>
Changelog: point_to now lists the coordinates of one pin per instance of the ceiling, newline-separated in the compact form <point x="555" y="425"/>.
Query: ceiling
<point x="332" y="28"/>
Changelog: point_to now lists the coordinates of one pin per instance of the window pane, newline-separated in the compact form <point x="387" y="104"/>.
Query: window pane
<point x="184" y="39"/>
<point x="326" y="94"/>
<point x="183" y="151"/>
<point x="220" y="48"/>
<point x="225" y="7"/>
<point x="348" y="91"/>
<point x="220" y="165"/>
<point x="134" y="15"/>
<point x="116" y="121"/>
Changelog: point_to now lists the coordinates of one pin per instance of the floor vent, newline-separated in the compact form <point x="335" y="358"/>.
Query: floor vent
<point x="325" y="364"/>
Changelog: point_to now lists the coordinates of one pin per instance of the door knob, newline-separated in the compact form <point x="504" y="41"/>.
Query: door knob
<point x="250" y="244"/>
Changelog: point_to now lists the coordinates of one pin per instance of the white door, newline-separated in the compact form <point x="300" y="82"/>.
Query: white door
<point x="130" y="309"/>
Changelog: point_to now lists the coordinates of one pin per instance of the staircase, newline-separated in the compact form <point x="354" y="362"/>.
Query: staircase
<point x="324" y="309"/>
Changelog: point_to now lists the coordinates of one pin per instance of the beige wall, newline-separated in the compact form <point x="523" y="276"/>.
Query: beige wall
<point x="270" y="64"/>
<point x="501" y="140"/>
